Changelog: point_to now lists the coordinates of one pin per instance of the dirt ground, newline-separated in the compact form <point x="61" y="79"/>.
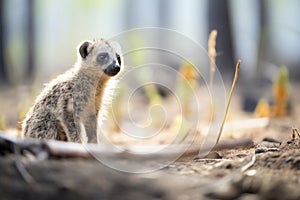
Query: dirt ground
<point x="268" y="169"/>
<point x="274" y="174"/>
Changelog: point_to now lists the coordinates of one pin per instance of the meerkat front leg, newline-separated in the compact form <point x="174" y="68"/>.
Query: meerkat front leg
<point x="86" y="125"/>
<point x="77" y="120"/>
<point x="84" y="113"/>
<point x="65" y="121"/>
<point x="90" y="126"/>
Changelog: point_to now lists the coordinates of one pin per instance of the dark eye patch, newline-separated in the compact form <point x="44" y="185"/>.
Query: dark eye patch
<point x="102" y="58"/>
<point x="118" y="58"/>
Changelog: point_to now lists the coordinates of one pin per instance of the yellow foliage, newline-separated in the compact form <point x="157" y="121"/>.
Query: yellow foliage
<point x="263" y="109"/>
<point x="280" y="93"/>
<point x="2" y="123"/>
<point x="280" y="97"/>
<point x="188" y="71"/>
<point x="187" y="85"/>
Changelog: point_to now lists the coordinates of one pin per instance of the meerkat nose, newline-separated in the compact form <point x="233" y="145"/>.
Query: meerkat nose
<point x="112" y="69"/>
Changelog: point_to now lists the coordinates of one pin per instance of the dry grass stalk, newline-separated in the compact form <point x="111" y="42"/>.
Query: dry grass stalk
<point x="237" y="68"/>
<point x="212" y="53"/>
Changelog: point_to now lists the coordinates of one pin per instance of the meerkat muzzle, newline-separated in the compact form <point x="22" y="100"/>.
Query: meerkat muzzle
<point x="112" y="69"/>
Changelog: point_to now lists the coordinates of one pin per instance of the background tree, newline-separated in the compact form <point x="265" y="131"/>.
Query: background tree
<point x="218" y="18"/>
<point x="3" y="71"/>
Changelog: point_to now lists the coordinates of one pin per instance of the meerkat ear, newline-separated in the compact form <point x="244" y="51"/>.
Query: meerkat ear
<point x="84" y="49"/>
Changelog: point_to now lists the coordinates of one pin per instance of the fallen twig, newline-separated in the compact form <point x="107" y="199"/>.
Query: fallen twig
<point x="249" y="164"/>
<point x="43" y="149"/>
<point x="20" y="167"/>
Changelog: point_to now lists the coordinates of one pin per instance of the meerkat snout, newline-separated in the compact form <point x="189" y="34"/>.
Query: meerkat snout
<point x="112" y="69"/>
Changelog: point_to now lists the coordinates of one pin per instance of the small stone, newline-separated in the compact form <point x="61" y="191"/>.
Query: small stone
<point x="249" y="197"/>
<point x="225" y="192"/>
<point x="260" y="150"/>
<point x="213" y="155"/>
<point x="272" y="140"/>
<point x="229" y="166"/>
<point x="289" y="159"/>
<point x="289" y="142"/>
<point x="263" y="150"/>
<point x="296" y="164"/>
<point x="251" y="172"/>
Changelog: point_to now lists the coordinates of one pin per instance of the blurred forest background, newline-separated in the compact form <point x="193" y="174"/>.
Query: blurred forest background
<point x="38" y="37"/>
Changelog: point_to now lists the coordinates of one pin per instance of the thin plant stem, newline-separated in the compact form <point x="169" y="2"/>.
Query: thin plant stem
<point x="237" y="68"/>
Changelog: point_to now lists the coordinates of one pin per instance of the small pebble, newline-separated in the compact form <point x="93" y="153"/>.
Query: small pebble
<point x="289" y="159"/>
<point x="268" y="139"/>
<point x="260" y="150"/>
<point x="229" y="166"/>
<point x="289" y="142"/>
<point x="263" y="150"/>
<point x="213" y="155"/>
<point x="225" y="192"/>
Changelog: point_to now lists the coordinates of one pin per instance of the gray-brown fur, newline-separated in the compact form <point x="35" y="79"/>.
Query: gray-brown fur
<point x="76" y="97"/>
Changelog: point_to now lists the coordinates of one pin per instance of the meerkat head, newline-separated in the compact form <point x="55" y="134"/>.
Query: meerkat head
<point x="101" y="54"/>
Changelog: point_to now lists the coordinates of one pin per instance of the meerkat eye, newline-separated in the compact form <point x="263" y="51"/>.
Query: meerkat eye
<point x="102" y="57"/>
<point x="118" y="58"/>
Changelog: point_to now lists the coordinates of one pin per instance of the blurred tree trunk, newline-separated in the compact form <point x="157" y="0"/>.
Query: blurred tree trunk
<point x="30" y="40"/>
<point x="3" y="71"/>
<point x="218" y="18"/>
<point x="262" y="41"/>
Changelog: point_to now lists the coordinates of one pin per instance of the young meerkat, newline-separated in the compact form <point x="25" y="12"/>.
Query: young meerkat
<point x="76" y="99"/>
